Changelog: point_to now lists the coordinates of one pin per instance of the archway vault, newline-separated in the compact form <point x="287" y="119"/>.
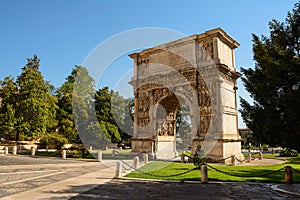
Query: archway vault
<point x="199" y="71"/>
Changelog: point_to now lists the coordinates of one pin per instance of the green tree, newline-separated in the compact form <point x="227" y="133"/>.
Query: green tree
<point x="75" y="98"/>
<point x="64" y="118"/>
<point x="115" y="114"/>
<point x="274" y="84"/>
<point x="33" y="106"/>
<point x="128" y="121"/>
<point x="53" y="141"/>
<point x="7" y="108"/>
<point x="51" y="102"/>
<point x="122" y="115"/>
<point x="105" y="116"/>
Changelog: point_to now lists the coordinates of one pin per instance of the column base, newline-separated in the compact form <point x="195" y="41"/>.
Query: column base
<point x="219" y="150"/>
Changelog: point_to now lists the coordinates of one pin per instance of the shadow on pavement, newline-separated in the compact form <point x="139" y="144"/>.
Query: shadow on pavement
<point x="128" y="189"/>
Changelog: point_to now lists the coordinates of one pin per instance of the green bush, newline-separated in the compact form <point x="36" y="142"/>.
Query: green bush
<point x="265" y="147"/>
<point x="287" y="152"/>
<point x="77" y="152"/>
<point x="53" y="141"/>
<point x="199" y="157"/>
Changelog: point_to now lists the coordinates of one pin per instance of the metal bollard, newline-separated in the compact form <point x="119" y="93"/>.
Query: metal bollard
<point x="5" y="150"/>
<point x="99" y="156"/>
<point x="14" y="150"/>
<point x="233" y="160"/>
<point x="249" y="158"/>
<point x="136" y="162"/>
<point x="113" y="153"/>
<point x="288" y="175"/>
<point x="204" y="177"/>
<point x="118" y="170"/>
<point x="260" y="155"/>
<point x="64" y="154"/>
<point x="106" y="149"/>
<point x="145" y="157"/>
<point x="32" y="151"/>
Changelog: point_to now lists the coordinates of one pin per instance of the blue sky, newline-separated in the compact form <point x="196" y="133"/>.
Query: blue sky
<point x="63" y="32"/>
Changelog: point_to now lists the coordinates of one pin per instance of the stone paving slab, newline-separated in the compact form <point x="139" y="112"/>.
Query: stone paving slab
<point x="293" y="189"/>
<point x="9" y="160"/>
<point x="134" y="189"/>
<point x="22" y="177"/>
<point x="17" y="183"/>
<point x="63" y="187"/>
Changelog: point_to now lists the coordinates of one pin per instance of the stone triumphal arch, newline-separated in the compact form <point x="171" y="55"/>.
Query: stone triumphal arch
<point x="199" y="71"/>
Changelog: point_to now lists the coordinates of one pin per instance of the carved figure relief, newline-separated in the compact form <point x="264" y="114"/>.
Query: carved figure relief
<point x="143" y="104"/>
<point x="205" y="105"/>
<point x="158" y="93"/>
<point x="167" y="129"/>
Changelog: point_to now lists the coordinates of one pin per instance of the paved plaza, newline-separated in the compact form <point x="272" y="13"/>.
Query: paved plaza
<point x="128" y="189"/>
<point x="23" y="177"/>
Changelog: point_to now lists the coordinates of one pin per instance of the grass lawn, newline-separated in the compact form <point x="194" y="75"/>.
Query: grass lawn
<point x="160" y="170"/>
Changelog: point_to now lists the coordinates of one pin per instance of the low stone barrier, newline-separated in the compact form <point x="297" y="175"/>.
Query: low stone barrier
<point x="204" y="177"/>
<point x="99" y="157"/>
<point x="64" y="154"/>
<point x="14" y="150"/>
<point x="32" y="151"/>
<point x="136" y="162"/>
<point x="118" y="170"/>
<point x="145" y="157"/>
<point x="5" y="150"/>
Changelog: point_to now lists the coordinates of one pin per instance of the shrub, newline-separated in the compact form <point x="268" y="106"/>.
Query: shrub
<point x="199" y="157"/>
<point x="53" y="141"/>
<point x="77" y="152"/>
<point x="265" y="147"/>
<point x="287" y="152"/>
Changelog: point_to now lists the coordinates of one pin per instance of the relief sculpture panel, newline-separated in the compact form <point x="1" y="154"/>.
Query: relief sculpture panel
<point x="205" y="105"/>
<point x="143" y="109"/>
<point x="167" y="128"/>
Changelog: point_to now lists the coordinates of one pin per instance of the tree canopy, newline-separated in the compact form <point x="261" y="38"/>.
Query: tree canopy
<point x="28" y="109"/>
<point x="274" y="84"/>
<point x="73" y="112"/>
<point x="31" y="108"/>
<point x="115" y="114"/>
